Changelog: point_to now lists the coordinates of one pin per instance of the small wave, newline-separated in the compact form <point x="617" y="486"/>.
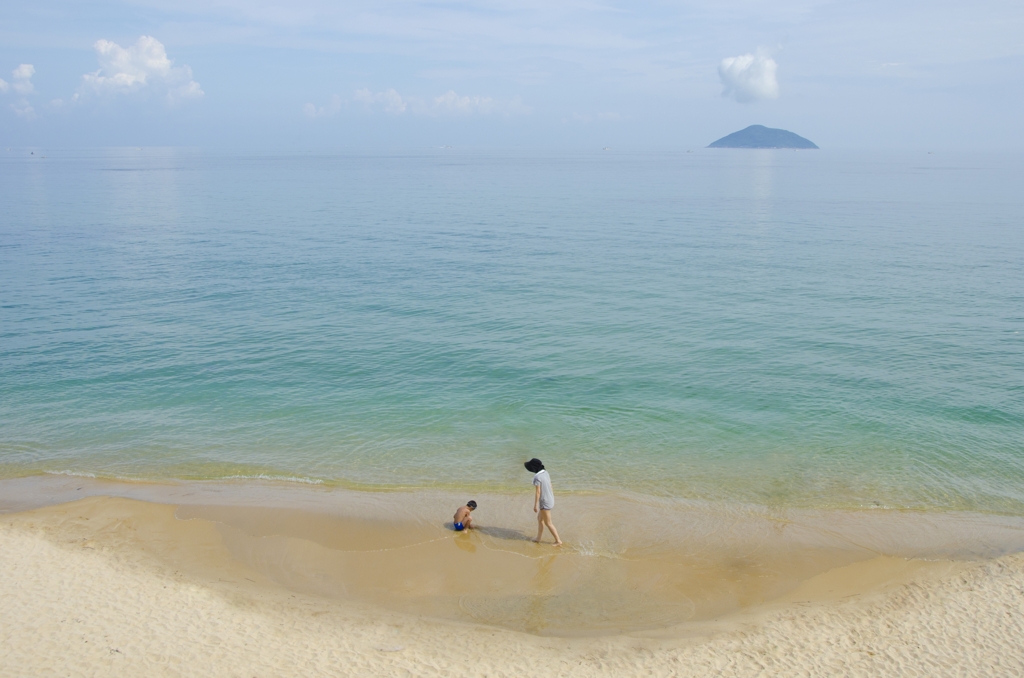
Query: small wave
<point x="287" y="479"/>
<point x="257" y="476"/>
<point x="76" y="474"/>
<point x="589" y="549"/>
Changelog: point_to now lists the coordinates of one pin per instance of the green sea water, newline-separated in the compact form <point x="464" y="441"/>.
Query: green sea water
<point x="793" y="329"/>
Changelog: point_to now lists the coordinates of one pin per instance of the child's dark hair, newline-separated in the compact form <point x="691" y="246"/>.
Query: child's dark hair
<point x="471" y="504"/>
<point x="534" y="465"/>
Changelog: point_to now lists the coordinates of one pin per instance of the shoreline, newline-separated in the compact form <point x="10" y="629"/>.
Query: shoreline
<point x="630" y="565"/>
<point x="117" y="586"/>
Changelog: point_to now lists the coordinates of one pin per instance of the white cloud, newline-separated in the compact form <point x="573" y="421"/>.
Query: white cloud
<point x="749" y="77"/>
<point x="312" y="111"/>
<point x="23" y="109"/>
<point x="449" y="103"/>
<point x="21" y="83"/>
<point x="142" y="65"/>
<point x="22" y="76"/>
<point x="390" y="100"/>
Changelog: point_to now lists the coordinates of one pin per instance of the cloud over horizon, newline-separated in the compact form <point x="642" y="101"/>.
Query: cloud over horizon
<point x="21" y="83"/>
<point x="749" y="77"/>
<point x="391" y="102"/>
<point x="22" y="79"/>
<point x="333" y="107"/>
<point x="144" y="64"/>
<point x="450" y="102"/>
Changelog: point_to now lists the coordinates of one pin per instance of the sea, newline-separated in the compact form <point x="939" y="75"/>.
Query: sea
<point x="795" y="330"/>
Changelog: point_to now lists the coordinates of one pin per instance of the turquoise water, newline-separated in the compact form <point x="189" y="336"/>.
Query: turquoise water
<point x="790" y="329"/>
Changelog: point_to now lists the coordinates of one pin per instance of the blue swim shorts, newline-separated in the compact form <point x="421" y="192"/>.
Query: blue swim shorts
<point x="459" y="527"/>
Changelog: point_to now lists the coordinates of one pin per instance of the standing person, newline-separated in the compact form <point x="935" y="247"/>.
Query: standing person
<point x="543" y="499"/>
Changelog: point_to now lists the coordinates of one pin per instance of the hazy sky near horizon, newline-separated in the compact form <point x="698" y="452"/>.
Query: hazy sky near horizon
<point x="314" y="74"/>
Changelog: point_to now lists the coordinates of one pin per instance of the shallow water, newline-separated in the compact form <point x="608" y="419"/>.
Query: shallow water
<point x="630" y="564"/>
<point x="773" y="328"/>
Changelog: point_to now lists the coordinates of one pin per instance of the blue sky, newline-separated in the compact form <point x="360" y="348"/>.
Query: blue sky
<point x="313" y="74"/>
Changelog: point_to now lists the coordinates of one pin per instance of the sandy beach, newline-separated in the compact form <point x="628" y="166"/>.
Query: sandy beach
<point x="115" y="586"/>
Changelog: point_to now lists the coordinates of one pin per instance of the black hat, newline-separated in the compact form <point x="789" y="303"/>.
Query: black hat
<point x="534" y="465"/>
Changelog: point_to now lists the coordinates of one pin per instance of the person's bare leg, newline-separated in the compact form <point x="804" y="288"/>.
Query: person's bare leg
<point x="540" y="526"/>
<point x="545" y="516"/>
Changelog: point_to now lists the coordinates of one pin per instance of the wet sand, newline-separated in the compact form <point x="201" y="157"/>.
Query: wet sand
<point x="248" y="579"/>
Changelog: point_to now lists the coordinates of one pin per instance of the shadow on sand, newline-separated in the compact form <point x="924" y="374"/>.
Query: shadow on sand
<point x="503" y="533"/>
<point x="496" y="532"/>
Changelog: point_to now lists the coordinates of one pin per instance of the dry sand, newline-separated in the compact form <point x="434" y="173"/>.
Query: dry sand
<point x="115" y="587"/>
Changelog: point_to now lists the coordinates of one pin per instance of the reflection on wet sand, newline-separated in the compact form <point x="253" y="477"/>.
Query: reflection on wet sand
<point x="630" y="564"/>
<point x="502" y="533"/>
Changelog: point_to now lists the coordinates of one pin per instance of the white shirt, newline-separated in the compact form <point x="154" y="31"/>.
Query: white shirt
<point x="547" y="497"/>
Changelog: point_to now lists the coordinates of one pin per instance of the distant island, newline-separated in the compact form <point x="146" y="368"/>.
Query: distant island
<point x="759" y="136"/>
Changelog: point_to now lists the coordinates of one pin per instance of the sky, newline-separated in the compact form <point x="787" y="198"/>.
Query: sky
<point x="320" y="75"/>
